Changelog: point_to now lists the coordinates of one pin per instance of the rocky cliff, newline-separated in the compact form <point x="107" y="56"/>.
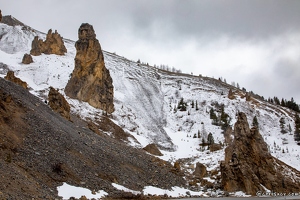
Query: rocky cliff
<point x="91" y="81"/>
<point x="249" y="166"/>
<point x="53" y="44"/>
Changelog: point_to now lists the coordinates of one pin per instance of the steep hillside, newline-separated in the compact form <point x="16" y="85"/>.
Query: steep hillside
<point x="175" y="111"/>
<point x="41" y="147"/>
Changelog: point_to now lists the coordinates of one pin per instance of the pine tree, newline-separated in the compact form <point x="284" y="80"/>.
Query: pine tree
<point x="213" y="115"/>
<point x="197" y="105"/>
<point x="192" y="104"/>
<point x="210" y="139"/>
<point x="282" y="102"/>
<point x="297" y="128"/>
<point x="225" y="119"/>
<point x="282" y="125"/>
<point x="182" y="105"/>
<point x="255" y="122"/>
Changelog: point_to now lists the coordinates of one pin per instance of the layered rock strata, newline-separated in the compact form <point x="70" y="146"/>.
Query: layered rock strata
<point x="90" y="81"/>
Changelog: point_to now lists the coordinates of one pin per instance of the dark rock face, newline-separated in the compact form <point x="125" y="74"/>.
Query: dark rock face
<point x="27" y="59"/>
<point x="0" y="16"/>
<point x="249" y="167"/>
<point x="152" y="149"/>
<point x="90" y="81"/>
<point x="58" y="103"/>
<point x="53" y="44"/>
<point x="10" y="76"/>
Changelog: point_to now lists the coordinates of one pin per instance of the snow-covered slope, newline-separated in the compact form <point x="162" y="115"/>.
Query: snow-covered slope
<point x="146" y="102"/>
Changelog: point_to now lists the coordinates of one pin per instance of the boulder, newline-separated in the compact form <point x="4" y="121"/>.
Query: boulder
<point x="152" y="149"/>
<point x="200" y="171"/>
<point x="58" y="103"/>
<point x="27" y="59"/>
<point x="53" y="44"/>
<point x="90" y="81"/>
<point x="10" y="76"/>
<point x="250" y="168"/>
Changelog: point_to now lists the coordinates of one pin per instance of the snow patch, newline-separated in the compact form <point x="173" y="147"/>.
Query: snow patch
<point x="66" y="191"/>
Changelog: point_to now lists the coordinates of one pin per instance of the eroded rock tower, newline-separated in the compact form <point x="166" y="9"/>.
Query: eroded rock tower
<point x="90" y="81"/>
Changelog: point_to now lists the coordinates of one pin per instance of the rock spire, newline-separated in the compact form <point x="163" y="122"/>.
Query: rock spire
<point x="249" y="166"/>
<point x="53" y="44"/>
<point x="90" y="81"/>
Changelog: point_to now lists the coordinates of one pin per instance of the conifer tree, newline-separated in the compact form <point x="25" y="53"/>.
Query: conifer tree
<point x="297" y="128"/>
<point x="210" y="139"/>
<point x="193" y="104"/>
<point x="197" y="105"/>
<point x="255" y="122"/>
<point x="182" y="105"/>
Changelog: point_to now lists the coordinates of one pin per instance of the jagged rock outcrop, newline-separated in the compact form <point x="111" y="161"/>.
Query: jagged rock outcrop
<point x="91" y="81"/>
<point x="27" y="59"/>
<point x="10" y="76"/>
<point x="53" y="44"/>
<point x="58" y="103"/>
<point x="152" y="149"/>
<point x="249" y="167"/>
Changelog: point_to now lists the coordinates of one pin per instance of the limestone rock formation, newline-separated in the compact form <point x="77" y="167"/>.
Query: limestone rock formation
<point x="53" y="44"/>
<point x="58" y="103"/>
<point x="27" y="59"/>
<point x="249" y="167"/>
<point x="91" y="81"/>
<point x="152" y="149"/>
<point x="11" y="77"/>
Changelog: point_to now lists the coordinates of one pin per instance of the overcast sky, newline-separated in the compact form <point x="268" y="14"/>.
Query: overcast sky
<point x="254" y="43"/>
